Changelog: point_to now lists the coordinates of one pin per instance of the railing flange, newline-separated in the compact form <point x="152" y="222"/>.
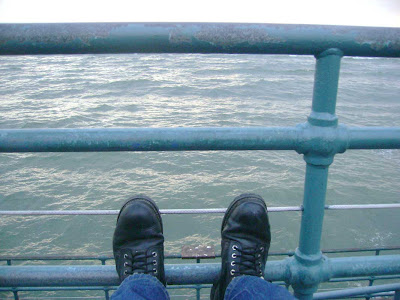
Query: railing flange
<point x="306" y="272"/>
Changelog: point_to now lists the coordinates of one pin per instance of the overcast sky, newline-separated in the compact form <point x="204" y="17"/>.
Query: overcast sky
<point x="338" y="12"/>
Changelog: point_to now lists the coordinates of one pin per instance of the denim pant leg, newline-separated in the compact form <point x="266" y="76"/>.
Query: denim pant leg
<point x="141" y="287"/>
<point x="255" y="288"/>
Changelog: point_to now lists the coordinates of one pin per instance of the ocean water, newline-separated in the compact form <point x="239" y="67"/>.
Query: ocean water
<point x="155" y="90"/>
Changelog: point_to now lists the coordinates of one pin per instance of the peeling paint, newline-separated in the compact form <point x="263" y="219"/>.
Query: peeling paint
<point x="378" y="40"/>
<point x="55" y="33"/>
<point x="231" y="35"/>
<point x="177" y="36"/>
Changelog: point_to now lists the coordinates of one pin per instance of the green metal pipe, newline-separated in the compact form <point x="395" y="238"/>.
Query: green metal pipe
<point x="183" y="139"/>
<point x="318" y="153"/>
<point x="326" y="82"/>
<point x="177" y="274"/>
<point x="362" y="266"/>
<point x="93" y="288"/>
<point x="365" y="278"/>
<point x="76" y="38"/>
<point x="147" y="139"/>
<point x="53" y="289"/>
<point x="338" y="294"/>
<point x="373" y="138"/>
<point x="314" y="207"/>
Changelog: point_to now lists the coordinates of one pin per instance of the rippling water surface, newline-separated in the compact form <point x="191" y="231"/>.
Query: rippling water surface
<point x="195" y="91"/>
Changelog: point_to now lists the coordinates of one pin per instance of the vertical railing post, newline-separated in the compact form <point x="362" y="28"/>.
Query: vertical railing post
<point x="106" y="294"/>
<point x="198" y="286"/>
<point x="396" y="295"/>
<point x="308" y="268"/>
<point x="16" y="296"/>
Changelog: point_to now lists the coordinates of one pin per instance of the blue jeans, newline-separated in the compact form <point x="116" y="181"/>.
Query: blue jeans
<point x="147" y="287"/>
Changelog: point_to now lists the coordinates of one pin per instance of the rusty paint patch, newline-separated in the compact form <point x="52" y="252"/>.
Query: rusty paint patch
<point x="379" y="39"/>
<point x="55" y="33"/>
<point x="230" y="35"/>
<point x="177" y="36"/>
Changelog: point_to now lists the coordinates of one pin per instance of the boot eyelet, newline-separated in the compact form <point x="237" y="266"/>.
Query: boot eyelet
<point x="155" y="262"/>
<point x="125" y="272"/>
<point x="258" y="255"/>
<point x="126" y="256"/>
<point x="233" y="263"/>
<point x="234" y="247"/>
<point x="125" y="264"/>
<point x="155" y="271"/>
<point x="233" y="255"/>
<point x="154" y="253"/>
<point x="232" y="272"/>
<point x="260" y="273"/>
<point x="259" y="263"/>
<point x="262" y="249"/>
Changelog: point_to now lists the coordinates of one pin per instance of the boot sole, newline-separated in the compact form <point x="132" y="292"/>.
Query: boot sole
<point x="151" y="203"/>
<point x="237" y="201"/>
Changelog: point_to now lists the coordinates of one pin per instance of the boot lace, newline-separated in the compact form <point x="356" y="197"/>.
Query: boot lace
<point x="249" y="263"/>
<point x="139" y="263"/>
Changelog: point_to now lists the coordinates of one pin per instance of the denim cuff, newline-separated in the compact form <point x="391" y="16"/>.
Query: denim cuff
<point x="255" y="288"/>
<point x="141" y="287"/>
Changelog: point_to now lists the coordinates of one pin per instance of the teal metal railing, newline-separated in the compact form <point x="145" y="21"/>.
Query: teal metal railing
<point x="319" y="139"/>
<point x="11" y="260"/>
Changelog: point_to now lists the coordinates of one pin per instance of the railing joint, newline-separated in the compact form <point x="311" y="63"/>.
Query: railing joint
<point x="319" y="144"/>
<point x="306" y="272"/>
<point x="330" y="51"/>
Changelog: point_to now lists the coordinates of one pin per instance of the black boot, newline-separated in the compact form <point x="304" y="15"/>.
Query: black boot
<point x="138" y="242"/>
<point x="245" y="241"/>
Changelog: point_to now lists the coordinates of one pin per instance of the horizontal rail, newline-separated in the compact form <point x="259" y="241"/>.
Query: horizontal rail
<point x="115" y="212"/>
<point x="147" y="139"/>
<point x="186" y="211"/>
<point x="187" y="139"/>
<point x="204" y="273"/>
<point x="53" y="289"/>
<point x="175" y="255"/>
<point x="365" y="278"/>
<point x="76" y="38"/>
<point x="322" y="295"/>
<point x="92" y="288"/>
<point x="362" y="206"/>
<point x="366" y="290"/>
<point x="372" y="137"/>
